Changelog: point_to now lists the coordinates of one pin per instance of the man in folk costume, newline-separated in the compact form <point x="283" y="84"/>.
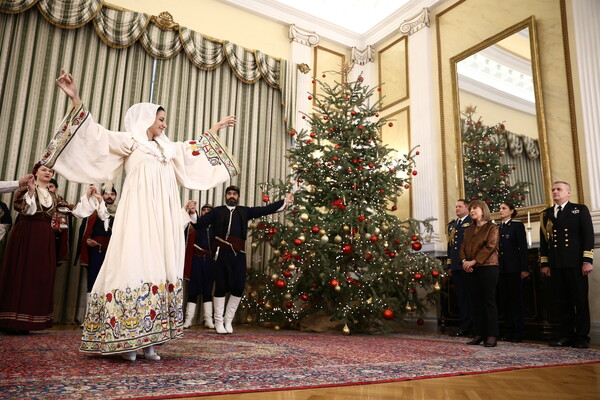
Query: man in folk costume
<point x="230" y="227"/>
<point x="566" y="256"/>
<point x="200" y="273"/>
<point x="94" y="236"/>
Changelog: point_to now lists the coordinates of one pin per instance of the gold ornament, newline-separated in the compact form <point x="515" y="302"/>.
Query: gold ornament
<point x="385" y="227"/>
<point x="283" y="243"/>
<point x="254" y="245"/>
<point x="295" y="166"/>
<point x="249" y="319"/>
<point x="324" y="239"/>
<point x="408" y="308"/>
<point x="276" y="327"/>
<point x="436" y="286"/>
<point x="254" y="294"/>
<point x="369" y="300"/>
<point x="268" y="305"/>
<point x="290" y="224"/>
<point x="304" y="217"/>
<point x="346" y="330"/>
<point x="377" y="231"/>
<point x="291" y="267"/>
<point x="322" y="232"/>
<point x="274" y="277"/>
<point x="337" y="288"/>
<point x="312" y="254"/>
<point x="367" y="236"/>
<point x="302" y="237"/>
<point x="253" y="226"/>
<point x="337" y="239"/>
<point x="346" y="228"/>
<point x="287" y="296"/>
<point x="294" y="252"/>
<point x="276" y="253"/>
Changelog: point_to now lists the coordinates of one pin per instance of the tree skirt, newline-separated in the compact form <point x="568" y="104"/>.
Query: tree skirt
<point x="47" y="365"/>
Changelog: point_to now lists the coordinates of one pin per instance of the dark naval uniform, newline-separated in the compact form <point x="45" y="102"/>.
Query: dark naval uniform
<point x="566" y="242"/>
<point x="456" y="232"/>
<point x="513" y="261"/>
<point x="230" y="228"/>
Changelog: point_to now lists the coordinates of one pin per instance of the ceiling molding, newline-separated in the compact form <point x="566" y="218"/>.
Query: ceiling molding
<point x="284" y="14"/>
<point x="494" y="95"/>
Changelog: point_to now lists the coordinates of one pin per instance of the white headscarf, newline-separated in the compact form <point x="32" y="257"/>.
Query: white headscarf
<point x="138" y="119"/>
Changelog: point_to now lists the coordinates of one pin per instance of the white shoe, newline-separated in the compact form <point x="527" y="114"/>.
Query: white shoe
<point x="219" y="303"/>
<point x="207" y="306"/>
<point x="232" y="306"/>
<point x="150" y="354"/>
<point x="129" y="356"/>
<point x="190" y="310"/>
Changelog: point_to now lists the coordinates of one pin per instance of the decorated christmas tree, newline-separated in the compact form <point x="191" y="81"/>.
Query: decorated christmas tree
<point x="486" y="177"/>
<point x="338" y="251"/>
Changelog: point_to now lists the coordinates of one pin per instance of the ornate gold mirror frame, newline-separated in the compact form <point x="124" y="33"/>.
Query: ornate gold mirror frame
<point x="545" y="178"/>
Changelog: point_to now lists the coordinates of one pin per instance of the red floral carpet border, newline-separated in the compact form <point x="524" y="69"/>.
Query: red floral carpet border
<point x="47" y="365"/>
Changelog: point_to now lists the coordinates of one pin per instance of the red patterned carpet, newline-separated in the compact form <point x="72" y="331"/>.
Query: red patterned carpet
<point x="47" y="365"/>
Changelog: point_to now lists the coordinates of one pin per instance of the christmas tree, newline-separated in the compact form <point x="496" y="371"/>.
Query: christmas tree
<point x="486" y="177"/>
<point x="337" y="251"/>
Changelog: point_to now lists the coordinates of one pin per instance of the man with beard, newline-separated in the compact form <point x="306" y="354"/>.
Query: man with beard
<point x="94" y="236"/>
<point x="230" y="227"/>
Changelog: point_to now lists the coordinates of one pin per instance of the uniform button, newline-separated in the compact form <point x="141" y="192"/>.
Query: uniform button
<point x="555" y="246"/>
<point x="567" y="245"/>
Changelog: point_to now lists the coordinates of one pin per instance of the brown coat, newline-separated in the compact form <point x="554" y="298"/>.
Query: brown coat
<point x="481" y="244"/>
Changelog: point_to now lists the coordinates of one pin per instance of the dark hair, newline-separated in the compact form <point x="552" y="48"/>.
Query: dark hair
<point x="53" y="181"/>
<point x="234" y="188"/>
<point x="160" y="108"/>
<point x="37" y="166"/>
<point x="206" y="206"/>
<point x="464" y="201"/>
<point x="511" y="207"/>
<point x="112" y="190"/>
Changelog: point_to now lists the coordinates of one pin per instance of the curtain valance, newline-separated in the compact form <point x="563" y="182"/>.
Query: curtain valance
<point x="160" y="36"/>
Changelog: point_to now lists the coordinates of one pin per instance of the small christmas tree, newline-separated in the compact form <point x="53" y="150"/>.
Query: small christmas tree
<point x="338" y="251"/>
<point x="486" y="177"/>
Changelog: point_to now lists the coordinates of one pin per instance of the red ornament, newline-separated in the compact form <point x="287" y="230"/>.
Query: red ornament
<point x="297" y="242"/>
<point x="360" y="79"/>
<point x="360" y="127"/>
<point x="420" y="321"/>
<point x="314" y="81"/>
<point x="414" y="172"/>
<point x="304" y="297"/>
<point x="347" y="249"/>
<point x="435" y="273"/>
<point x="353" y="112"/>
<point x="334" y="282"/>
<point x="417" y="276"/>
<point x="388" y="314"/>
<point x="392" y="254"/>
<point x="289" y="304"/>
<point x="390" y="124"/>
<point x="287" y="273"/>
<point x="315" y="229"/>
<point x="394" y="207"/>
<point x="279" y="283"/>
<point x="368" y="256"/>
<point x="266" y="198"/>
<point x="324" y="75"/>
<point x="371" y="165"/>
<point x="407" y="186"/>
<point x="417" y="153"/>
<point x="414" y="238"/>
<point x="416" y="246"/>
<point x="361" y="218"/>
<point x="310" y="97"/>
<point x="312" y="135"/>
<point x="342" y="207"/>
<point x="374" y="238"/>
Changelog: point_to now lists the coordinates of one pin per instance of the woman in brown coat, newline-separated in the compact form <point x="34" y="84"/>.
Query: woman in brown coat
<point x="479" y="255"/>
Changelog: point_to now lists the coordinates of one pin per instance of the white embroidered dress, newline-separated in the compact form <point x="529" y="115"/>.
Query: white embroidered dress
<point x="138" y="296"/>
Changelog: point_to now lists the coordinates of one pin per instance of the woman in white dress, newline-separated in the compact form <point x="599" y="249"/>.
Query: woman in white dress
<point x="137" y="298"/>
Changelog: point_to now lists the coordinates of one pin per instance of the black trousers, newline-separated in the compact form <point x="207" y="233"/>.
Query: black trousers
<point x="229" y="273"/>
<point x="201" y="281"/>
<point x="571" y="290"/>
<point x="482" y="283"/>
<point x="459" y="278"/>
<point x="510" y="304"/>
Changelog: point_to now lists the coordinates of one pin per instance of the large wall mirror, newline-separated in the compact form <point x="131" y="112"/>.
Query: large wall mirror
<point x="501" y="142"/>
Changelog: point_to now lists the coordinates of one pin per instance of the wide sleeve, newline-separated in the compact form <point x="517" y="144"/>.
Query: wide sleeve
<point x="203" y="163"/>
<point x="85" y="152"/>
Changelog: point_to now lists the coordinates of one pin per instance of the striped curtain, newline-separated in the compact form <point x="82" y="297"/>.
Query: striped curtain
<point x="112" y="74"/>
<point x="32" y="52"/>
